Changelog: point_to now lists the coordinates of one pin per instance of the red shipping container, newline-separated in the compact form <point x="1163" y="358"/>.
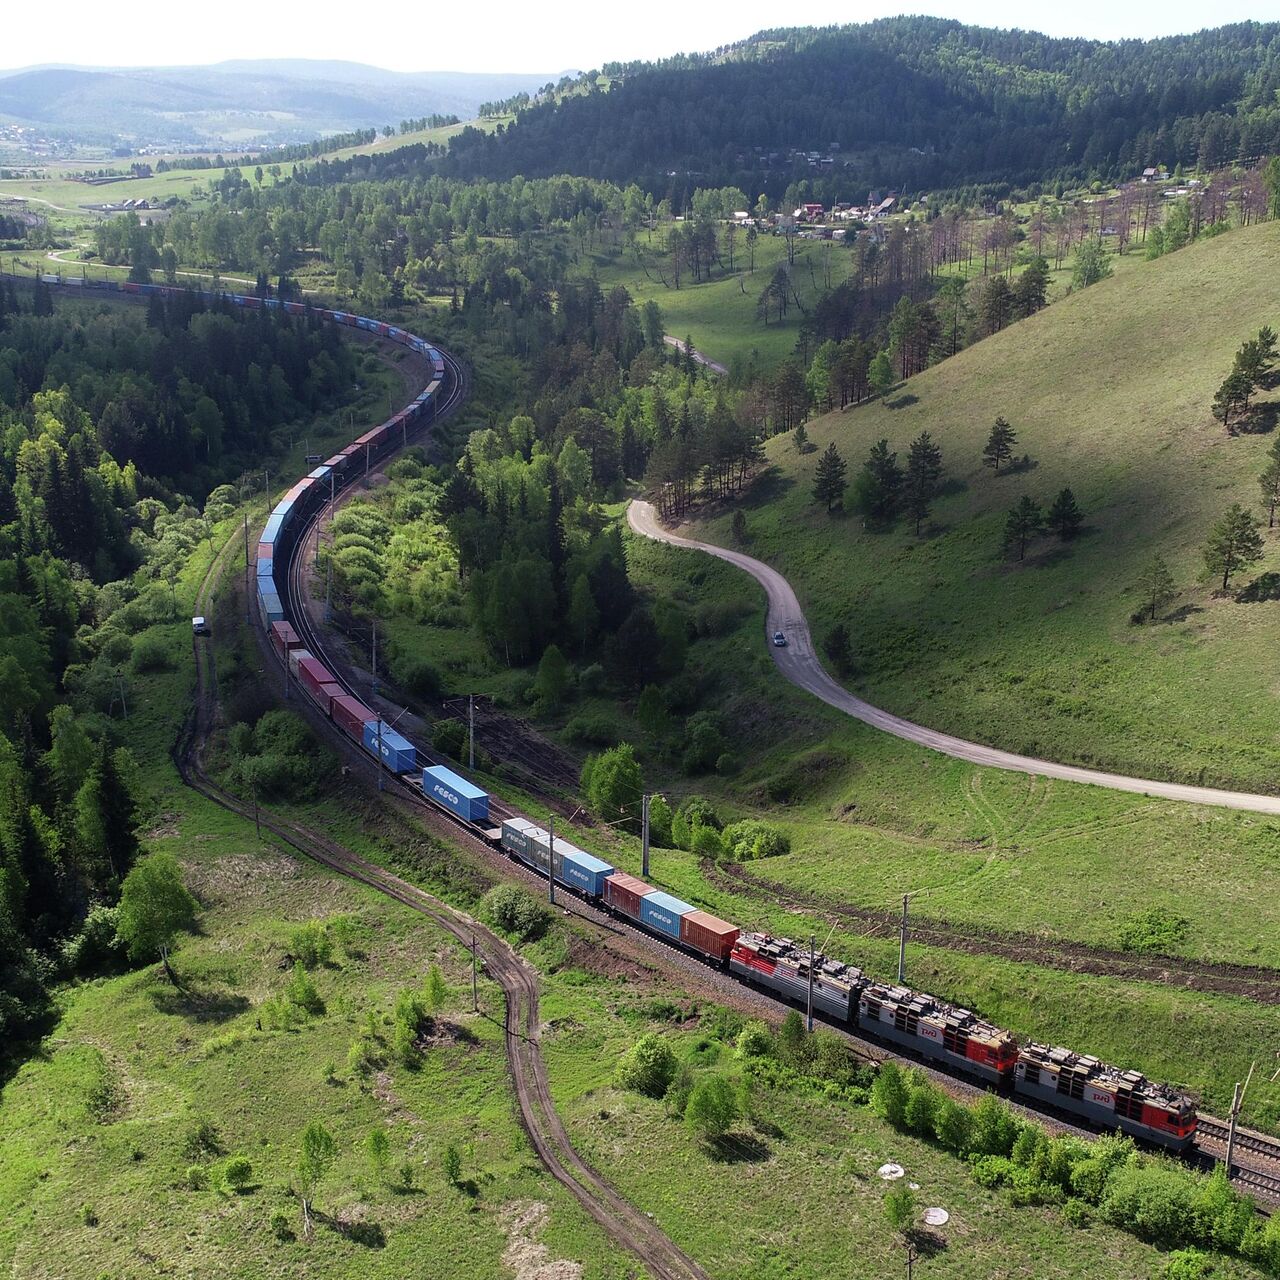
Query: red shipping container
<point x="313" y="673"/>
<point x="266" y="551"/>
<point x="623" y="893"/>
<point x="325" y="695"/>
<point x="708" y="934"/>
<point x="284" y="638"/>
<point x="351" y="716"/>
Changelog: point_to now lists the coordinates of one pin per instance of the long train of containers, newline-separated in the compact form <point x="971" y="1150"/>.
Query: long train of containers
<point x="1093" y="1090"/>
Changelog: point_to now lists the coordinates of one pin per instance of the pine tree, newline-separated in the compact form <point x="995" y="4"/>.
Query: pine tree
<point x="105" y="817"/>
<point x="1031" y="288"/>
<point x="1065" y="516"/>
<point x="924" y="475"/>
<point x="1155" y="587"/>
<point x="995" y="306"/>
<point x="838" y="646"/>
<point x="1232" y="398"/>
<point x="829" y="482"/>
<point x="1269" y="482"/>
<point x="1234" y="543"/>
<point x="999" y="446"/>
<point x="880" y="485"/>
<point x="1023" y="523"/>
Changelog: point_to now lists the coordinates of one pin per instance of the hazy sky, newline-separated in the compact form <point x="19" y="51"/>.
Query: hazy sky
<point x="533" y="35"/>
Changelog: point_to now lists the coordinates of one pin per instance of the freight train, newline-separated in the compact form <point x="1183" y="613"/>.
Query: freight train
<point x="952" y="1037"/>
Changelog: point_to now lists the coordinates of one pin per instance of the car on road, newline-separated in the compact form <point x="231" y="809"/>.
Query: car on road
<point x="779" y="640"/>
<point x="199" y="627"/>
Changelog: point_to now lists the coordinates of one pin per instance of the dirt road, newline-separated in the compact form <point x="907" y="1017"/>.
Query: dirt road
<point x="799" y="663"/>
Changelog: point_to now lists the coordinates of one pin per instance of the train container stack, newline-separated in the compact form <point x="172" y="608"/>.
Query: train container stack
<point x="625" y="893"/>
<point x="351" y="716"/>
<point x="709" y="934"/>
<point x="455" y="793"/>
<point x="284" y="639"/>
<point x="584" y="871"/>
<point x="394" y="749"/>
<point x="661" y="912"/>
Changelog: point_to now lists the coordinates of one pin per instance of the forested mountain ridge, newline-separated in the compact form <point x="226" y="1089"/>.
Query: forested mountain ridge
<point x="912" y="102"/>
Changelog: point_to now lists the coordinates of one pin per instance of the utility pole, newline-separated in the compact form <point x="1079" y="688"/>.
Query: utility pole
<point x="1236" y="1100"/>
<point x="902" y="942"/>
<point x="253" y="784"/>
<point x="375" y="656"/>
<point x="912" y="1256"/>
<point x="812" y="946"/>
<point x="475" y="997"/>
<point x="471" y="731"/>
<point x="328" y="591"/>
<point x="379" y="752"/>
<point x="551" y="859"/>
<point x="644" y="836"/>
<point x="247" y="615"/>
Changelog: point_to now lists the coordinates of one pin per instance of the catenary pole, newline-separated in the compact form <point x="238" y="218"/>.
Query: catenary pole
<point x="812" y="947"/>
<point x="902" y="941"/>
<point x="551" y="859"/>
<point x="644" y="835"/>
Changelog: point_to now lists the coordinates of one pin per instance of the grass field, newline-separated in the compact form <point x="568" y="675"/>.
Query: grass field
<point x="1111" y="397"/>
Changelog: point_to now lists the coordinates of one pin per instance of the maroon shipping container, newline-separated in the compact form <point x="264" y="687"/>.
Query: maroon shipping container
<point x="325" y="695"/>
<point x="313" y="673"/>
<point x="351" y="716"/>
<point x="266" y="551"/>
<point x="708" y="934"/>
<point x="623" y="893"/>
<point x="284" y="638"/>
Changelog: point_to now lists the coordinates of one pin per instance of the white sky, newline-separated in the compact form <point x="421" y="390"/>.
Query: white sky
<point x="502" y="35"/>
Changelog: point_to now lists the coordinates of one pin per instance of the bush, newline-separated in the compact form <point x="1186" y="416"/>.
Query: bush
<point x="197" y="1177"/>
<point x="280" y="1225"/>
<point x="704" y="742"/>
<point x="1152" y="1201"/>
<point x="676" y="1098"/>
<point x="755" y="1040"/>
<point x="1187" y="1264"/>
<point x="890" y="1093"/>
<point x="1154" y="930"/>
<point x="648" y="1067"/>
<point x="1079" y="1213"/>
<point x="448" y="736"/>
<point x="451" y="1165"/>
<point x="953" y="1126"/>
<point x="751" y="838"/>
<point x="301" y="992"/>
<point x="237" y="1173"/>
<point x="707" y="842"/>
<point x="515" y="911"/>
<point x="419" y="678"/>
<point x="711" y="1109"/>
<point x="150" y="653"/>
<point x="591" y="680"/>
<point x="720" y="617"/>
<point x="995" y="1128"/>
<point x="202" y="1140"/>
<point x="920" y="1114"/>
<point x="612" y="783"/>
<point x="96" y="946"/>
<point x="311" y="945"/>
<point x="594" y="729"/>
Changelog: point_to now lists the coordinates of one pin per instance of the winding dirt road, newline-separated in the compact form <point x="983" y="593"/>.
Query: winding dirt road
<point x="800" y="664"/>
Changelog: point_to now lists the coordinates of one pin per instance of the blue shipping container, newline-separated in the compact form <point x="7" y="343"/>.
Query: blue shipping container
<point x="398" y="753"/>
<point x="272" y="531"/>
<point x="265" y="568"/>
<point x="587" y="873"/>
<point x="448" y="789"/>
<point x="269" y="608"/>
<point x="662" y="912"/>
<point x="319" y="473"/>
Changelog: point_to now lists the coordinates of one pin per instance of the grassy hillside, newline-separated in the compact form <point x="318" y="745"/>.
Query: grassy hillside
<point x="1109" y="392"/>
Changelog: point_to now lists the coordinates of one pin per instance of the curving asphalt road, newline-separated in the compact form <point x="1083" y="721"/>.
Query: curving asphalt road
<point x="800" y="664"/>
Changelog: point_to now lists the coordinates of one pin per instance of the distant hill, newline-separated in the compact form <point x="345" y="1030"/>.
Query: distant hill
<point x="911" y="102"/>
<point x="242" y="103"/>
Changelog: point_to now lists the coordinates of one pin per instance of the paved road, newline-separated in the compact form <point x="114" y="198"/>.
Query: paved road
<point x="801" y="665"/>
<point x="698" y="358"/>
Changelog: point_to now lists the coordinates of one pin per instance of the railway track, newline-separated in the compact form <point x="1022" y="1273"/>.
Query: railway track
<point x="621" y="1221"/>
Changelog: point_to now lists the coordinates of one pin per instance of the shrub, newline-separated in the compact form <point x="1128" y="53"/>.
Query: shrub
<point x="755" y="1040"/>
<point x="515" y="911"/>
<point x="707" y="842"/>
<point x="612" y="783"/>
<point x="592" y="679"/>
<point x="150" y="653"/>
<point x="920" y="1115"/>
<point x="648" y="1067"/>
<point x="1154" y="930"/>
<point x="97" y="945"/>
<point x="451" y="1165"/>
<point x="301" y="991"/>
<point x="676" y="1098"/>
<point x="712" y="1108"/>
<point x="202" y="1140"/>
<point x="993" y="1171"/>
<point x="595" y="729"/>
<point x="280" y="1225"/>
<point x="900" y="1208"/>
<point x="1079" y="1213"/>
<point x="1187" y="1264"/>
<point x="890" y="1093"/>
<point x="704" y="742"/>
<point x="953" y="1126"/>
<point x="197" y="1177"/>
<point x="237" y="1173"/>
<point x="1151" y="1201"/>
<point x="752" y="839"/>
<point x="995" y="1129"/>
<point x="364" y="1055"/>
<point x="419" y="678"/>
<point x="311" y="945"/>
<point x="447" y="737"/>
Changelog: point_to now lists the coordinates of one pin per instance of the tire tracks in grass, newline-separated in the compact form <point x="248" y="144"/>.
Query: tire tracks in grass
<point x="625" y="1225"/>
